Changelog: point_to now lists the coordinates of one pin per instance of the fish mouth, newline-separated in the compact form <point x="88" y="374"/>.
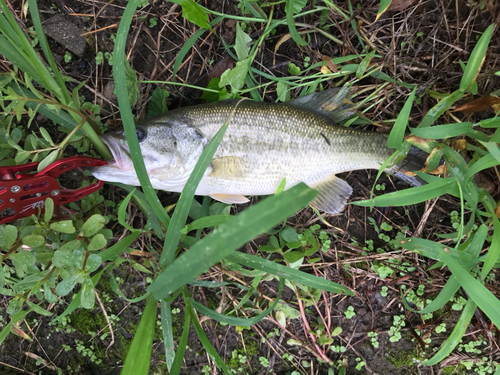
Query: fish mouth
<point x="120" y="152"/>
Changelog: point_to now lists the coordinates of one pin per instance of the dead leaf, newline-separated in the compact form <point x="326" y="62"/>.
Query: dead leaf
<point x="41" y="360"/>
<point x="397" y="5"/>
<point x="480" y="105"/>
<point x="325" y="70"/>
<point x="459" y="144"/>
<point x="140" y="253"/>
<point x="497" y="211"/>
<point x="19" y="332"/>
<point x="329" y="63"/>
<point x="422" y="143"/>
<point x="438" y="171"/>
<point x="409" y="173"/>
<point x="220" y="67"/>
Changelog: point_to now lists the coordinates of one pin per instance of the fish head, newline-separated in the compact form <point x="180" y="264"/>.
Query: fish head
<point x="170" y="149"/>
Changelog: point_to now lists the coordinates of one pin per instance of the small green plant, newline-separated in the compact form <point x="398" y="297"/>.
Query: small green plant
<point x="264" y="361"/>
<point x="67" y="57"/>
<point x="349" y="313"/>
<point x="293" y="69"/>
<point x="338" y="348"/>
<point x="382" y="270"/>
<point x="441" y="328"/>
<point x="395" y="330"/>
<point x="374" y="339"/>
<point x="99" y="57"/>
<point x="360" y="364"/>
<point x="307" y="60"/>
<point x="383" y="291"/>
<point x="153" y="21"/>
<point x="109" y="57"/>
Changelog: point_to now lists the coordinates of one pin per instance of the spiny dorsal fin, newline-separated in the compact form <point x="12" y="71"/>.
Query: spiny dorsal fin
<point x="333" y="103"/>
<point x="230" y="198"/>
<point x="333" y="195"/>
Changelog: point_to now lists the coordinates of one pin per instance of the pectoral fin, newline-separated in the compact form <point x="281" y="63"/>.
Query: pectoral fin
<point x="333" y="195"/>
<point x="230" y="198"/>
<point x="229" y="167"/>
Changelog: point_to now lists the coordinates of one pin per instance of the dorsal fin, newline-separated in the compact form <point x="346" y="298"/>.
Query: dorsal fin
<point x="333" y="103"/>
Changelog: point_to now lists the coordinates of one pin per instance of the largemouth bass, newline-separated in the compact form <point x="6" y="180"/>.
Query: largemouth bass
<point x="264" y="143"/>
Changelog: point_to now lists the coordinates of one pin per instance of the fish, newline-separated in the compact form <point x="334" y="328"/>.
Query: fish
<point x="264" y="144"/>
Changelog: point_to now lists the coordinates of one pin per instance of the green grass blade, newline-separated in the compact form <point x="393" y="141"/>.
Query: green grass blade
<point x="60" y="117"/>
<point x="433" y="250"/>
<point x="443" y="131"/>
<point x="62" y="93"/>
<point x="188" y="45"/>
<point x="176" y="365"/>
<point x="452" y="285"/>
<point x="485" y="162"/>
<point x="230" y="236"/>
<point x="455" y="336"/>
<point x="184" y="204"/>
<point x="126" y="112"/>
<point x="384" y="5"/>
<point x="476" y="59"/>
<point x="477" y="291"/>
<point x="444" y="296"/>
<point x="285" y="272"/>
<point x="411" y="196"/>
<point x="142" y="203"/>
<point x="201" y="334"/>
<point x="139" y="355"/>
<point x="19" y="59"/>
<point x="206" y="222"/>
<point x="290" y="20"/>
<point x="113" y="252"/>
<point x="239" y="321"/>
<point x="16" y="318"/>
<point x="493" y="149"/>
<point x="168" y="335"/>
<point x="436" y="111"/>
<point x="494" y="251"/>
<point x="117" y="290"/>
<point x="5" y="27"/>
<point x="398" y="130"/>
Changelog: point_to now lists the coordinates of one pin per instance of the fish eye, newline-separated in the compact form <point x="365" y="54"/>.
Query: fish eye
<point x="141" y="134"/>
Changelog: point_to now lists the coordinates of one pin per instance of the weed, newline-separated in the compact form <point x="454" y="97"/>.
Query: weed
<point x="349" y="313"/>
<point x="395" y="330"/>
<point x="374" y="339"/>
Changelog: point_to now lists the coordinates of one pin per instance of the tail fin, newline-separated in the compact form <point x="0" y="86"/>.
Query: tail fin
<point x="414" y="161"/>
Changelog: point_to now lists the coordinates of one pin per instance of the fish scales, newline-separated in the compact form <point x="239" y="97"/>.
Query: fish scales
<point x="264" y="143"/>
<point x="279" y="141"/>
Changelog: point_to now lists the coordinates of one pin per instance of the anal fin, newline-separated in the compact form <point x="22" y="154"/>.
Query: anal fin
<point x="333" y="195"/>
<point x="230" y="198"/>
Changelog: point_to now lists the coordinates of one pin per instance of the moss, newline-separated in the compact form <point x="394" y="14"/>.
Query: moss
<point x="86" y="321"/>
<point x="253" y="348"/>
<point x="160" y="368"/>
<point x="454" y="370"/>
<point x="404" y="358"/>
<point x="212" y="302"/>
